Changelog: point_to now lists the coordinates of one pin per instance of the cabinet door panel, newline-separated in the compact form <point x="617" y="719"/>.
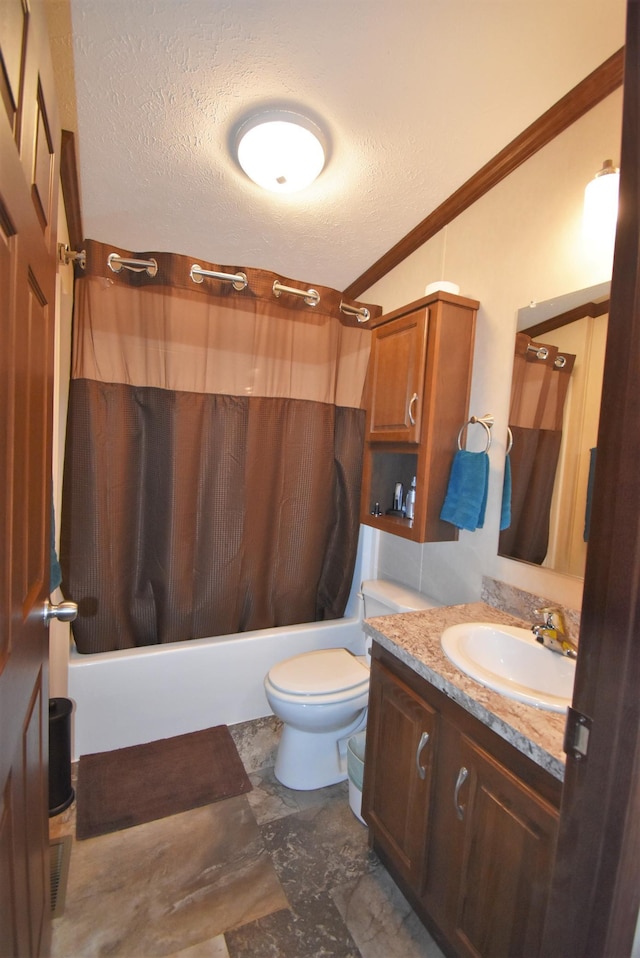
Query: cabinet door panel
<point x="509" y="842"/>
<point x="397" y="379"/>
<point x="401" y="741"/>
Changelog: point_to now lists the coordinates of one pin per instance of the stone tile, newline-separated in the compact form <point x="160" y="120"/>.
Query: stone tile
<point x="257" y="741"/>
<point x="317" y="849"/>
<point x="271" y="800"/>
<point x="312" y="929"/>
<point x="381" y="920"/>
<point x="167" y="885"/>
<point x="204" y="884"/>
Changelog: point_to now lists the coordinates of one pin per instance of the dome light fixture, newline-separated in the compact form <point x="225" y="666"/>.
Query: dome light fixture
<point x="280" y="150"/>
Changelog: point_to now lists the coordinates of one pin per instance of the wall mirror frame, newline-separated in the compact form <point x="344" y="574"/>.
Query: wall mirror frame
<point x="553" y="425"/>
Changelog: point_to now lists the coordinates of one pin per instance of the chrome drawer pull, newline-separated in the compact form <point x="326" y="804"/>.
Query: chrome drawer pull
<point x="422" y="771"/>
<point x="413" y="400"/>
<point x="463" y="774"/>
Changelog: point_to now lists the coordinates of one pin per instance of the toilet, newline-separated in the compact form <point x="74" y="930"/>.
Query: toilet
<point x="321" y="697"/>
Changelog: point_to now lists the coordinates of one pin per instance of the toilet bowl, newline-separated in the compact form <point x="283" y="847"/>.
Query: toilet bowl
<point x="321" y="697"/>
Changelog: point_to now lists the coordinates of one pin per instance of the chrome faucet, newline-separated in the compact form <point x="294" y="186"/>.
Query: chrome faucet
<point x="553" y="633"/>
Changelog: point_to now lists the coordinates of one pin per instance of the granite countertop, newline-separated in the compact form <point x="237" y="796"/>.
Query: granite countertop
<point x="414" y="638"/>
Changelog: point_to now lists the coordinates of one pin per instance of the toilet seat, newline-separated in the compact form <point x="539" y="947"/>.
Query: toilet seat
<point x="324" y="673"/>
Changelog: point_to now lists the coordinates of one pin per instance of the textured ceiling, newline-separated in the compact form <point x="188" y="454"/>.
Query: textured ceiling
<point x="414" y="95"/>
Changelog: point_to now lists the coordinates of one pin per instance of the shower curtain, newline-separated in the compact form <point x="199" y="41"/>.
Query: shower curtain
<point x="538" y="395"/>
<point x="213" y="456"/>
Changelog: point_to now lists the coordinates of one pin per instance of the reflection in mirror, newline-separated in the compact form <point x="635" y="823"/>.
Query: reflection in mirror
<point x="553" y="418"/>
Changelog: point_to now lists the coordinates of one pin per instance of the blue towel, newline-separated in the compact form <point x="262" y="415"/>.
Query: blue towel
<point x="55" y="574"/>
<point x="505" y="513"/>
<point x="466" y="499"/>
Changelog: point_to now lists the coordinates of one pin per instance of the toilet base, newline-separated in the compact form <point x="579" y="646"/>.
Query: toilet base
<point x="308" y="760"/>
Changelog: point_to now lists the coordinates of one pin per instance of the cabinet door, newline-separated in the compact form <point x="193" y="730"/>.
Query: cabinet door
<point x="502" y="841"/>
<point x="401" y="740"/>
<point x="398" y="350"/>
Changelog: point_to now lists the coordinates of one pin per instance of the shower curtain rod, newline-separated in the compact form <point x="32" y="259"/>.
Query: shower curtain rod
<point x="311" y="296"/>
<point x="117" y="263"/>
<point x="66" y="255"/>
<point x="239" y="280"/>
<point x="361" y="312"/>
<point x="543" y="353"/>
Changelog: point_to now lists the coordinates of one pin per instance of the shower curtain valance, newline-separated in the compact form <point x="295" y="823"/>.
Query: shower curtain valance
<point x="214" y="454"/>
<point x="539" y="389"/>
<point x="167" y="332"/>
<point x="173" y="271"/>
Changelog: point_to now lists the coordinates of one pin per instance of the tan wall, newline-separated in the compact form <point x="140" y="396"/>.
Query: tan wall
<point x="521" y="242"/>
<point x="59" y="634"/>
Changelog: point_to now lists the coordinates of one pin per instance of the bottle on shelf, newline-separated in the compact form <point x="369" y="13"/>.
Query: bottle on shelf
<point x="410" y="502"/>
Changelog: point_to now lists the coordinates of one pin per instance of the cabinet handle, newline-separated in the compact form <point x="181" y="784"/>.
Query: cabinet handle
<point x="463" y="774"/>
<point x="422" y="771"/>
<point x="412" y="418"/>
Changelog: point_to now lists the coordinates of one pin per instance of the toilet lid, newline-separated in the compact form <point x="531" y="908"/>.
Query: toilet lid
<point x="319" y="673"/>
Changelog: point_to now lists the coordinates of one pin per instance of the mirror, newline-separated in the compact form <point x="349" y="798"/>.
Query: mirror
<point x="553" y="422"/>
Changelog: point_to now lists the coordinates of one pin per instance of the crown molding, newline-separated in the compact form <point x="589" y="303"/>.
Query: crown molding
<point x="598" y="85"/>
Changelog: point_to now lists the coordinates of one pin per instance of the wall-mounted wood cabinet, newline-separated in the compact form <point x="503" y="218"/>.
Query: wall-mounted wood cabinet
<point x="417" y="401"/>
<point x="464" y="822"/>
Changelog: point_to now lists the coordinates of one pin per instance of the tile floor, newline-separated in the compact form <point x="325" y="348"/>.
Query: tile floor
<point x="274" y="873"/>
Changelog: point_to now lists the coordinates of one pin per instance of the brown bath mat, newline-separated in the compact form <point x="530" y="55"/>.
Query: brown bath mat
<point x="144" y="782"/>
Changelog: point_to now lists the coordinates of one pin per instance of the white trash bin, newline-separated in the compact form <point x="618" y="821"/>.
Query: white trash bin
<point x="355" y="768"/>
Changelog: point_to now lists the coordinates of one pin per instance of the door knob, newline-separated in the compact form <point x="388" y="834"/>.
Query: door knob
<point x="63" y="612"/>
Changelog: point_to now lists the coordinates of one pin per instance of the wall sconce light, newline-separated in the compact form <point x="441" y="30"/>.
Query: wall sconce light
<point x="601" y="206"/>
<point x="281" y="151"/>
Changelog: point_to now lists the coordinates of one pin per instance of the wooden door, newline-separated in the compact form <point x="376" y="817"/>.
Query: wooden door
<point x="29" y="146"/>
<point x="398" y="351"/>
<point x="401" y="742"/>
<point x="598" y="856"/>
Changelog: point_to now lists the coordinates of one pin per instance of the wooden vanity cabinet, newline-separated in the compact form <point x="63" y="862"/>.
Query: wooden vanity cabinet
<point x="472" y="845"/>
<point x="417" y="401"/>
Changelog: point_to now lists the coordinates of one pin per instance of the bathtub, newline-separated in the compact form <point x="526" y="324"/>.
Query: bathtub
<point x="139" y="695"/>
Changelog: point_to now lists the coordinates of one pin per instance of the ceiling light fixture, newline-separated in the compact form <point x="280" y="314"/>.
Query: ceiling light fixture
<point x="280" y="151"/>
<point x="601" y="206"/>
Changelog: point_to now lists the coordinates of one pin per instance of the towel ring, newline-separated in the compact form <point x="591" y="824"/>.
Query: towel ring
<point x="509" y="441"/>
<point x="485" y="421"/>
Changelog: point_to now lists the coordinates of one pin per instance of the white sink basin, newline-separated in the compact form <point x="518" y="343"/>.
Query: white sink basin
<point x="509" y="660"/>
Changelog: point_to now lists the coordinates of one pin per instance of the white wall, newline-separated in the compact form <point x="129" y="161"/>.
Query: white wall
<point x="519" y="243"/>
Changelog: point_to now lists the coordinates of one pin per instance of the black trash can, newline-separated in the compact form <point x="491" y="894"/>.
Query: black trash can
<point x="61" y="793"/>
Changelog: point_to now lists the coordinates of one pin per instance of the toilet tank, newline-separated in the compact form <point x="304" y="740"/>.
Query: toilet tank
<point x="384" y="597"/>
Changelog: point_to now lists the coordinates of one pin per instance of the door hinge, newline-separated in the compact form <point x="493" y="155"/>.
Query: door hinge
<point x="576" y="734"/>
